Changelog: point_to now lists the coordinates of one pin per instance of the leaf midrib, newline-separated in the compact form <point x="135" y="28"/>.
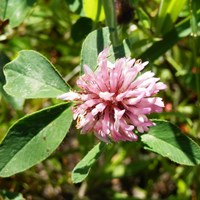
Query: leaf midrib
<point x="173" y="146"/>
<point x="38" y="80"/>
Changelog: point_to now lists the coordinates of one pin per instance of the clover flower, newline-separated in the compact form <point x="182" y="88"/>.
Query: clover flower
<point x="114" y="100"/>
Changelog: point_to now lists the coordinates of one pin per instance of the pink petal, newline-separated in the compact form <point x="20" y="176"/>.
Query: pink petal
<point x="115" y="99"/>
<point x="133" y="101"/>
<point x="69" y="96"/>
<point x="99" y="108"/>
<point x="107" y="96"/>
<point x="117" y="116"/>
<point x="87" y="69"/>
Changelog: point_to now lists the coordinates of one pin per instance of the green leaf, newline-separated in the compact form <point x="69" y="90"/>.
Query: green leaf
<point x="168" y="13"/>
<point x="31" y="75"/>
<point x="94" y="9"/>
<point x="15" y="10"/>
<point x="95" y="42"/>
<point x="76" y="6"/>
<point x="17" y="103"/>
<point x="82" y="169"/>
<point x="81" y="29"/>
<point x="87" y="8"/>
<point x="168" y="141"/>
<point x="195" y="6"/>
<point x="33" y="138"/>
<point x="6" y="195"/>
<point x="180" y="31"/>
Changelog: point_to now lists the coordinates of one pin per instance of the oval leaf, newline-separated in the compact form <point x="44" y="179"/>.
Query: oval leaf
<point x="7" y="195"/>
<point x="16" y="103"/>
<point x="81" y="29"/>
<point x="168" y="141"/>
<point x="15" y="10"/>
<point x="31" y="75"/>
<point x="82" y="169"/>
<point x="33" y="138"/>
<point x="95" y="42"/>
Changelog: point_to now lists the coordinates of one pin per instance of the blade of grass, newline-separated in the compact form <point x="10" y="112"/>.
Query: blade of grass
<point x="158" y="48"/>
<point x="168" y="13"/>
<point x="194" y="7"/>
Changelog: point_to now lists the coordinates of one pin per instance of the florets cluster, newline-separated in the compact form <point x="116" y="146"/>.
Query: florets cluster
<point x="114" y="100"/>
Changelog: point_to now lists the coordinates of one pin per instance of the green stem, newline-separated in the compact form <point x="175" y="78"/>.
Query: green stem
<point x="111" y="21"/>
<point x="194" y="47"/>
<point x="194" y="33"/>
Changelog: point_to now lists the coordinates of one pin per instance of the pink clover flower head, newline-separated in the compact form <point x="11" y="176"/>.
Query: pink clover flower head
<point x="114" y="100"/>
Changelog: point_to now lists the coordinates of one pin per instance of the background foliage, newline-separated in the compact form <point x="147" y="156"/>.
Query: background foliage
<point x="166" y="33"/>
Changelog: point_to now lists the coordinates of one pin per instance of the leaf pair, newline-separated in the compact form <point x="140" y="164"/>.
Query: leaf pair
<point x="164" y="139"/>
<point x="34" y="137"/>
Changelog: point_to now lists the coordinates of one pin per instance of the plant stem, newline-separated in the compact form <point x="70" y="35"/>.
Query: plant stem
<point x="111" y="21"/>
<point x="194" y="34"/>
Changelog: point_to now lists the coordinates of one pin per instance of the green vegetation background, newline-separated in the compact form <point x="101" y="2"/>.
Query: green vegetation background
<point x="162" y="32"/>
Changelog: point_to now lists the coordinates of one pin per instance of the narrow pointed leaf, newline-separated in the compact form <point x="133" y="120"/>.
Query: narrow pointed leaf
<point x="195" y="7"/>
<point x="31" y="75"/>
<point x="94" y="9"/>
<point x="168" y="13"/>
<point x="181" y="30"/>
<point x="82" y="169"/>
<point x="167" y="140"/>
<point x="33" y="138"/>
